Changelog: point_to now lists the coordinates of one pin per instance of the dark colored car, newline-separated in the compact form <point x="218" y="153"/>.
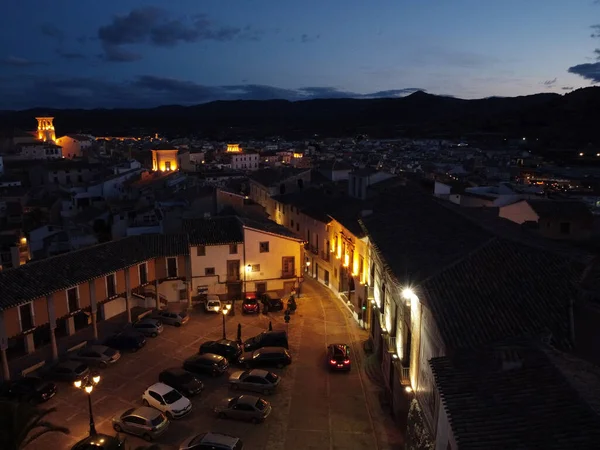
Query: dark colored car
<point x="271" y="302"/>
<point x="69" y="371"/>
<point x="338" y="357"/>
<point x="185" y="382"/>
<point x="207" y="363"/>
<point x="250" y="306"/>
<point x="126" y="341"/>
<point x="267" y="357"/>
<point x="224" y="347"/>
<point x="28" y="389"/>
<point x="266" y="339"/>
<point x="100" y="442"/>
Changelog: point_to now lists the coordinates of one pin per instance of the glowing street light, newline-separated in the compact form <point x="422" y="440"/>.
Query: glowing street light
<point x="224" y="311"/>
<point x="88" y="387"/>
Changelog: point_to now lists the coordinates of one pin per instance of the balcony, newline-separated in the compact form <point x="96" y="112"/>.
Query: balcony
<point x="326" y="256"/>
<point x="390" y="343"/>
<point x="287" y="274"/>
<point x="404" y="372"/>
<point x="312" y="249"/>
<point x="371" y="293"/>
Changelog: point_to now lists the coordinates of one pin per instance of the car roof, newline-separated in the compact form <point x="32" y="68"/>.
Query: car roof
<point x="70" y="363"/>
<point x="160" y="388"/>
<point x="227" y="342"/>
<point x="213" y="297"/>
<point x="220" y="439"/>
<point x="96" y="347"/>
<point x="177" y="371"/>
<point x="248" y="399"/>
<point x="271" y="350"/>
<point x="107" y="443"/>
<point x="258" y="373"/>
<point x="338" y="347"/>
<point x="209" y="356"/>
<point x="145" y="412"/>
<point x="147" y="320"/>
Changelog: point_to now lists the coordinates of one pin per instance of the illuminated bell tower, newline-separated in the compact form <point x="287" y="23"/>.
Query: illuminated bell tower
<point x="45" y="131"/>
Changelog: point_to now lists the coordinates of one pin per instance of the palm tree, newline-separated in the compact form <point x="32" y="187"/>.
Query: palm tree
<point x="22" y="423"/>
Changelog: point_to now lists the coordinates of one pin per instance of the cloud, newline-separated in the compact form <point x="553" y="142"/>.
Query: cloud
<point x="70" y="55"/>
<point x="549" y="83"/>
<point x="306" y="38"/>
<point x="567" y="88"/>
<point x="150" y="91"/>
<point x="18" y="62"/>
<point x="589" y="71"/>
<point x="155" y="26"/>
<point x="52" y="31"/>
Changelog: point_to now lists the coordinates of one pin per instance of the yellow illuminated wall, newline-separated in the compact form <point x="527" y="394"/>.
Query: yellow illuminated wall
<point x="233" y="148"/>
<point x="164" y="160"/>
<point x="45" y="131"/>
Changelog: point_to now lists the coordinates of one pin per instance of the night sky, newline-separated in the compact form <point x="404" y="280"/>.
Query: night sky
<point x="126" y="53"/>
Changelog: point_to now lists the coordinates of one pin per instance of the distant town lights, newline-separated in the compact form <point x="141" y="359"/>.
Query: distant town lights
<point x="581" y="153"/>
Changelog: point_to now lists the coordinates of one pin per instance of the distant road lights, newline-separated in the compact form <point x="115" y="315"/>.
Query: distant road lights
<point x="581" y="153"/>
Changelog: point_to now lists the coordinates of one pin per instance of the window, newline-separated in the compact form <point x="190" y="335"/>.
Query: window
<point x="209" y="271"/>
<point x="143" y="273"/>
<point x="565" y="228"/>
<point x="111" y="285"/>
<point x="73" y="299"/>
<point x="26" y="316"/>
<point x="255" y="267"/>
<point x="264" y="247"/>
<point x="233" y="249"/>
<point x="297" y="227"/>
<point x="201" y="250"/>
<point x="171" y="268"/>
<point x="292" y="223"/>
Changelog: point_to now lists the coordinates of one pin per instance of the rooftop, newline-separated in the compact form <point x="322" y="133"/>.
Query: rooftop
<point x="560" y="209"/>
<point x="270" y="177"/>
<point x="214" y="231"/>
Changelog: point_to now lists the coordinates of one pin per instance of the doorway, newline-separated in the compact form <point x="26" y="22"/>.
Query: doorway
<point x="261" y="288"/>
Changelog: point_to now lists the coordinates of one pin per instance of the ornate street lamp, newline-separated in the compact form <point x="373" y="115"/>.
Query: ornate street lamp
<point x="88" y="387"/>
<point x="224" y="312"/>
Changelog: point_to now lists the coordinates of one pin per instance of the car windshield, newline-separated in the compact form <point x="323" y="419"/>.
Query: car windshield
<point x="172" y="397"/>
<point x="157" y="420"/>
<point x="183" y="315"/>
<point x="251" y="301"/>
<point x="197" y="439"/>
<point x="261" y="404"/>
<point x="110" y="352"/>
<point x="126" y="413"/>
<point x="271" y="377"/>
<point x="212" y="304"/>
<point x="80" y="369"/>
<point x="186" y="377"/>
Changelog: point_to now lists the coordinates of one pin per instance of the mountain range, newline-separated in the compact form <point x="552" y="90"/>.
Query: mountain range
<point x="571" y="119"/>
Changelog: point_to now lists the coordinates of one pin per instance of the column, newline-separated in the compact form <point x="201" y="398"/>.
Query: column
<point x="70" y="325"/>
<point x="93" y="307"/>
<point x="188" y="279"/>
<point x="156" y="292"/>
<point x="3" y="347"/>
<point x="29" y="343"/>
<point x="128" y="295"/>
<point x="52" y="324"/>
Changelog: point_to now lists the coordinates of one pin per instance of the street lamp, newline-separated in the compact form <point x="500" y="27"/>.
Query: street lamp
<point x="225" y="311"/>
<point x="88" y="387"/>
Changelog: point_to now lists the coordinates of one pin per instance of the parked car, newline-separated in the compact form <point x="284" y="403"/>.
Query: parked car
<point x="256" y="380"/>
<point x="185" y="382"/>
<point x="149" y="327"/>
<point x="338" y="357"/>
<point x="168" y="400"/>
<point x="266" y="339"/>
<point x="126" y="341"/>
<point x="69" y="371"/>
<point x="208" y="363"/>
<point x="271" y="302"/>
<point x="224" y="347"/>
<point x="171" y="318"/>
<point x="250" y="306"/>
<point x="244" y="407"/>
<point x="32" y="390"/>
<point x="100" y="442"/>
<point x="96" y="355"/>
<point x="266" y="357"/>
<point x="213" y="303"/>
<point x="212" y="441"/>
<point x="143" y="421"/>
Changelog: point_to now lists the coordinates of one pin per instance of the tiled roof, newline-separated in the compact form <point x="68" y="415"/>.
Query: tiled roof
<point x="502" y="289"/>
<point x="214" y="231"/>
<point x="60" y="272"/>
<point x="529" y="406"/>
<point x="270" y="177"/>
<point x="269" y="227"/>
<point x="560" y="209"/>
<point x="164" y="146"/>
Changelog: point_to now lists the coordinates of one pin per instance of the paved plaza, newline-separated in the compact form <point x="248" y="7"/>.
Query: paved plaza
<point x="313" y="409"/>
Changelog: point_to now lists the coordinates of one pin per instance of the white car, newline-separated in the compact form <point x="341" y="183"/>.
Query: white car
<point x="168" y="400"/>
<point x="213" y="304"/>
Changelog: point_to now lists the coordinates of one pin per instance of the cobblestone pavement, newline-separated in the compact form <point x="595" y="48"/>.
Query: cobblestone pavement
<point x="313" y="410"/>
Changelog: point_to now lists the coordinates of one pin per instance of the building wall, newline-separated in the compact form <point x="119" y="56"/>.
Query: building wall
<point x="443" y="437"/>
<point x="518" y="212"/>
<point x="578" y="229"/>
<point x="216" y="256"/>
<point x="160" y="158"/>
<point x="71" y="147"/>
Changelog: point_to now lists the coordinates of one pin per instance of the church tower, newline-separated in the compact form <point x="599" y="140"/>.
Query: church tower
<point x="45" y="131"/>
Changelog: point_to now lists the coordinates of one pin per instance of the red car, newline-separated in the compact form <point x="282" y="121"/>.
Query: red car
<point x="250" y="306"/>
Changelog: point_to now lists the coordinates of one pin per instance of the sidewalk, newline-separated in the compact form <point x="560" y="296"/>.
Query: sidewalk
<point x="388" y="435"/>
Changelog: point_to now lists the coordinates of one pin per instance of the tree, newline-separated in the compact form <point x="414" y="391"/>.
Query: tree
<point x="21" y="424"/>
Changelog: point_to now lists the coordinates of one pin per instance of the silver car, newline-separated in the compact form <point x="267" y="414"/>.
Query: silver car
<point x="149" y="327"/>
<point x="254" y="380"/>
<point x="244" y="407"/>
<point x="97" y="355"/>
<point x="144" y="421"/>
<point x="171" y="318"/>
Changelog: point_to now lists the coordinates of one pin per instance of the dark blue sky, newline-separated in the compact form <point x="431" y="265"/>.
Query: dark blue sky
<point x="80" y="53"/>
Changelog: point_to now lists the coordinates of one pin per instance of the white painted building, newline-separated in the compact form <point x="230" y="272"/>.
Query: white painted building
<point x="40" y="150"/>
<point x="244" y="161"/>
<point x="73" y="145"/>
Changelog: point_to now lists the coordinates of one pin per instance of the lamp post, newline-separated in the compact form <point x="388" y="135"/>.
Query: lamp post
<point x="88" y="387"/>
<point x="224" y="312"/>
